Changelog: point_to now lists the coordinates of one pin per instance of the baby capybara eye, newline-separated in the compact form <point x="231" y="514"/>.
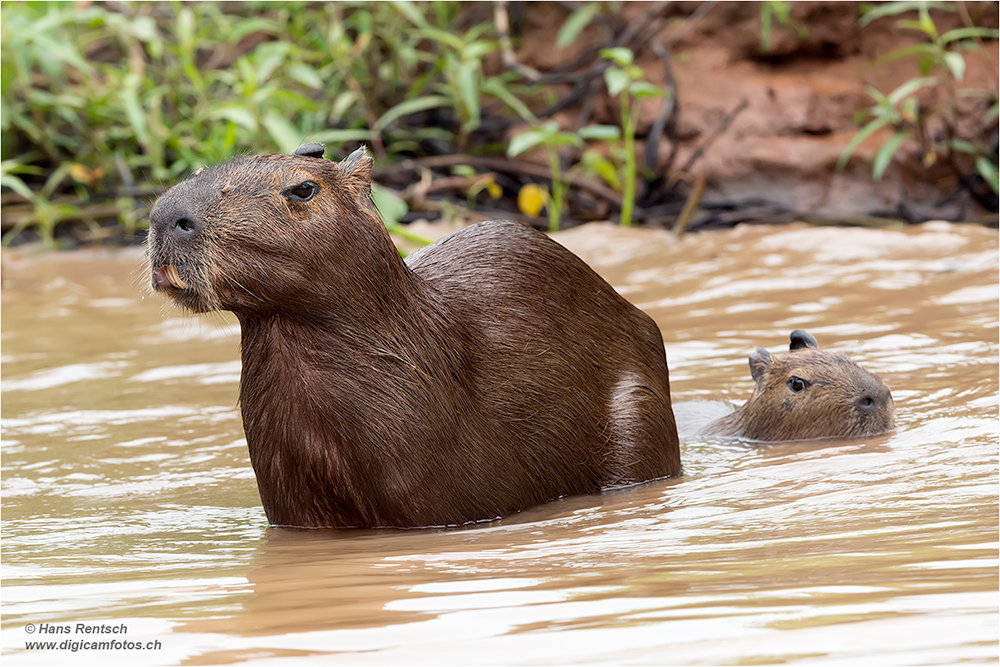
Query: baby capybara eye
<point x="797" y="384"/>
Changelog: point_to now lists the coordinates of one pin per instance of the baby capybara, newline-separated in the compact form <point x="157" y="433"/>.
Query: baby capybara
<point x="806" y="394"/>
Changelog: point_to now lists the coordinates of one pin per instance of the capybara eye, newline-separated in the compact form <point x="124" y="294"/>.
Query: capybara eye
<point x="797" y="384"/>
<point x="302" y="192"/>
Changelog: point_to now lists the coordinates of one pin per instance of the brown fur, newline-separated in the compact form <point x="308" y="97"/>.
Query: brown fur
<point x="491" y="371"/>
<point x="838" y="398"/>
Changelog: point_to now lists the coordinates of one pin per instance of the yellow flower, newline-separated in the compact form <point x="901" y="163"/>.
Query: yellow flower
<point x="531" y="198"/>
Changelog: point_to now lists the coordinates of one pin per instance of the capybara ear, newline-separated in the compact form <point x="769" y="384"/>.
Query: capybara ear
<point x="357" y="167"/>
<point x="759" y="361"/>
<point x="801" y="340"/>
<point x="356" y="175"/>
<point x="311" y="150"/>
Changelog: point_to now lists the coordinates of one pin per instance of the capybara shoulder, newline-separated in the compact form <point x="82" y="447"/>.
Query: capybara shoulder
<point x="809" y="393"/>
<point x="488" y="372"/>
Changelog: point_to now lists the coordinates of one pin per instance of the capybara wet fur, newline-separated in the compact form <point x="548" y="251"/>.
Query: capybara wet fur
<point x="490" y="371"/>
<point x="807" y="394"/>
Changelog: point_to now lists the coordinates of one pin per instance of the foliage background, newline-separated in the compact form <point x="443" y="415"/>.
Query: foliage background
<point x="105" y="104"/>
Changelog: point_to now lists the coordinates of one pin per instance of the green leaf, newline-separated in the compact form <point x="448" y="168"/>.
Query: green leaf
<point x="879" y="98"/>
<point x="575" y="24"/>
<point x="910" y="87"/>
<point x="268" y="57"/>
<point x="407" y="107"/>
<point x="988" y="171"/>
<point x="143" y="28"/>
<point x="495" y="87"/>
<point x="598" y="164"/>
<point x="910" y="109"/>
<point x="469" y="90"/>
<point x="884" y="154"/>
<point x="617" y="80"/>
<point x="969" y="33"/>
<point x="955" y="63"/>
<point x="926" y="23"/>
<point x="600" y="132"/>
<point x="926" y="64"/>
<point x="896" y="8"/>
<point x="410" y="11"/>
<point x="640" y="89"/>
<point x="519" y="143"/>
<point x="285" y="135"/>
<point x="63" y="51"/>
<point x="992" y="112"/>
<point x="17" y="185"/>
<point x="962" y="146"/>
<point x="389" y="206"/>
<point x="184" y="31"/>
<point x="620" y="55"/>
<point x="477" y="50"/>
<point x="245" y="26"/>
<point x="915" y="49"/>
<point x="340" y="136"/>
<point x="444" y="37"/>
<point x="306" y="75"/>
<point x="856" y="140"/>
<point x="564" y="139"/>
<point x="129" y="96"/>
<point x="236" y="114"/>
<point x="342" y="103"/>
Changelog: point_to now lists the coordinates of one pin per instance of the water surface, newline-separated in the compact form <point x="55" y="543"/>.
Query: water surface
<point x="128" y="495"/>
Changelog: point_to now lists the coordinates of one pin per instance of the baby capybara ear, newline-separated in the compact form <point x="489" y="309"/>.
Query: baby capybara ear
<point x="759" y="361"/>
<point x="801" y="340"/>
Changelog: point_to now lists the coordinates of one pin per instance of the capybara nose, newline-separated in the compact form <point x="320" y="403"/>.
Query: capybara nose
<point x="175" y="220"/>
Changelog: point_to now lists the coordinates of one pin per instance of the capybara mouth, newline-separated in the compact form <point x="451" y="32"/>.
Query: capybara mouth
<point x="166" y="276"/>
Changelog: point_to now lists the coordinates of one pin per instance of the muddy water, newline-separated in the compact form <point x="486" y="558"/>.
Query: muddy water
<point x="128" y="497"/>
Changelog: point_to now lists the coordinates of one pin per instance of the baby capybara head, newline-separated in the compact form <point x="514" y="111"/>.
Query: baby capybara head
<point x="810" y="393"/>
<point x="266" y="232"/>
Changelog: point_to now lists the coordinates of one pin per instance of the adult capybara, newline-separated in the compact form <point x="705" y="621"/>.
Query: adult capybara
<point x="486" y="373"/>
<point x="806" y="394"/>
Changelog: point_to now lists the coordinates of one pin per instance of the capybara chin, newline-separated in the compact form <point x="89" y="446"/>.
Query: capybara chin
<point x="808" y="394"/>
<point x="486" y="373"/>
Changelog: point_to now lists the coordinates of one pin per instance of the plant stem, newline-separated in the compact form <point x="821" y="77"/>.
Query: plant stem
<point x="555" y="208"/>
<point x="628" y="186"/>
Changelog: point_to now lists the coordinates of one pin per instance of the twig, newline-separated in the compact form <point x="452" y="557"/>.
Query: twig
<point x="417" y="193"/>
<point x="667" y="120"/>
<point x="690" y="22"/>
<point x="720" y="128"/>
<point x="680" y="226"/>
<point x="502" y="22"/>
<point x="506" y="166"/>
<point x="639" y="31"/>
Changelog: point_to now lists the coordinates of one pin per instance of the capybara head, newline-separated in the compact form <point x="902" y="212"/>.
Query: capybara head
<point x="810" y="393"/>
<point x="265" y="232"/>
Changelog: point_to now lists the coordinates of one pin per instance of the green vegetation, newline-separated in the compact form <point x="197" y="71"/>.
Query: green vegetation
<point x="549" y="136"/>
<point x="111" y="102"/>
<point x="776" y="11"/>
<point x="925" y="109"/>
<point x="627" y="83"/>
<point x="104" y="105"/>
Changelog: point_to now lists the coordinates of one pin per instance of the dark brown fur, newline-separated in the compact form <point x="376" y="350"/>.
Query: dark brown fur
<point x="490" y="372"/>
<point x="836" y="398"/>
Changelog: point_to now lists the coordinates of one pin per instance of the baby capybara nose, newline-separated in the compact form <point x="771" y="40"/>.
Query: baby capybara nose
<point x="874" y="400"/>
